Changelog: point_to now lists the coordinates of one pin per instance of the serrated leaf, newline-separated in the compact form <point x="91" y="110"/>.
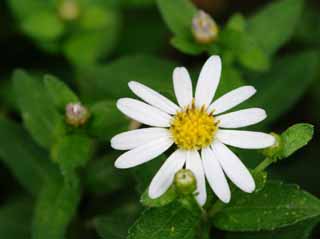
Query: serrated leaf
<point x="169" y="196"/>
<point x="172" y="221"/>
<point x="301" y="230"/>
<point x="106" y="120"/>
<point x="15" y="219"/>
<point x="27" y="162"/>
<point x="180" y="24"/>
<point x="40" y="117"/>
<point x="274" y="24"/>
<point x="295" y="138"/>
<point x="277" y="205"/>
<point x="111" y="81"/>
<point x="59" y="92"/>
<point x="72" y="152"/>
<point x="286" y="74"/>
<point x="54" y="210"/>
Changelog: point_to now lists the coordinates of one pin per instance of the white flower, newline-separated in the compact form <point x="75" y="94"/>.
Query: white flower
<point x="197" y="128"/>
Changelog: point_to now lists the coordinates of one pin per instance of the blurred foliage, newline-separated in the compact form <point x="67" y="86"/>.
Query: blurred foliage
<point x="58" y="180"/>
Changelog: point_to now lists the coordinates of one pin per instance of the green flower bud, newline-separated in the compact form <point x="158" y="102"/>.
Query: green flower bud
<point x="275" y="151"/>
<point x="76" y="114"/>
<point x="185" y="181"/>
<point x="69" y="10"/>
<point x="204" y="28"/>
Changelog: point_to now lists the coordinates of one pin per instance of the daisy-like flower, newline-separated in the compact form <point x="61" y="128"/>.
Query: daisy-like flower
<point x="198" y="129"/>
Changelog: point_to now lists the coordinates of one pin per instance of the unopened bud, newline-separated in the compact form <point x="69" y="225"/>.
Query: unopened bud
<point x="185" y="181"/>
<point x="69" y="10"/>
<point x="204" y="28"/>
<point x="76" y="114"/>
<point x="275" y="151"/>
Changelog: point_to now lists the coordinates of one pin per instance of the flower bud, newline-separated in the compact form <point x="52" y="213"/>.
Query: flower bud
<point x="69" y="10"/>
<point x="275" y="151"/>
<point x="76" y="114"/>
<point x="185" y="181"/>
<point x="204" y="28"/>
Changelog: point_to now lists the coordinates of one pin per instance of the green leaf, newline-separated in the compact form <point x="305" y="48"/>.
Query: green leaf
<point x="23" y="9"/>
<point x="301" y="230"/>
<point x="115" y="225"/>
<point x="111" y="81"/>
<point x="277" y="205"/>
<point x="106" y="120"/>
<point x="72" y="152"/>
<point x="187" y="46"/>
<point x="59" y="92"/>
<point x="40" y="117"/>
<point x="295" y="138"/>
<point x="98" y="175"/>
<point x="27" y="162"/>
<point x="179" y="24"/>
<point x="43" y="25"/>
<point x="273" y="25"/>
<point x="172" y="221"/>
<point x="15" y="219"/>
<point x="286" y="74"/>
<point x="97" y="39"/>
<point x="54" y="210"/>
<point x="169" y="196"/>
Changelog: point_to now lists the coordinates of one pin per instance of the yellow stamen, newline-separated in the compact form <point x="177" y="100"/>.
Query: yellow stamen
<point x="193" y="128"/>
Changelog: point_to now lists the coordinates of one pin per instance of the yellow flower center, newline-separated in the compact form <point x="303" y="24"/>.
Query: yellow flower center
<point x="193" y="128"/>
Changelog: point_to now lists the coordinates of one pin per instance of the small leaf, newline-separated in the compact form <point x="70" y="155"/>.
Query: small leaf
<point x="106" y="120"/>
<point x="43" y="25"/>
<point x="72" y="152"/>
<point x="169" y="196"/>
<point x="179" y="24"/>
<point x="54" y="210"/>
<point x="59" y="92"/>
<point x="284" y="14"/>
<point x="277" y="205"/>
<point x="187" y="46"/>
<point x="172" y="221"/>
<point x="295" y="138"/>
<point x="40" y="117"/>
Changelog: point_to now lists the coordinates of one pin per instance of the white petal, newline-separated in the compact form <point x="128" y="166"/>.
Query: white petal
<point x="245" y="139"/>
<point x="143" y="112"/>
<point x="241" y="118"/>
<point x="195" y="165"/>
<point x="233" y="167"/>
<point x="143" y="153"/>
<point x="164" y="177"/>
<point x="215" y="175"/>
<point x="208" y="81"/>
<point x="135" y="138"/>
<point x="153" y="98"/>
<point x="232" y="99"/>
<point x="182" y="86"/>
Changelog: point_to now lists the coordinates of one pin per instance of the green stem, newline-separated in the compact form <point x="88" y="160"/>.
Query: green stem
<point x="263" y="165"/>
<point x="218" y="205"/>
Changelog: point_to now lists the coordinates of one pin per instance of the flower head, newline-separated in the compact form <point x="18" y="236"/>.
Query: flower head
<point x="197" y="128"/>
<point x="204" y="28"/>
